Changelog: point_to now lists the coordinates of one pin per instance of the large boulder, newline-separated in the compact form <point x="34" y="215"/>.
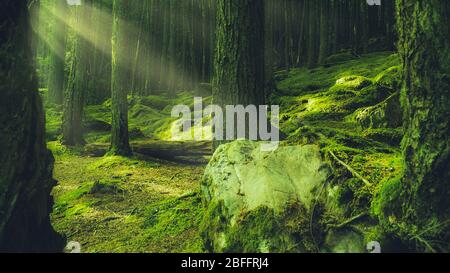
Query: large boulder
<point x="261" y="201"/>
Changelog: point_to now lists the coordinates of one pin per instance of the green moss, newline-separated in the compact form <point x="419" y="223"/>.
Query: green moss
<point x="340" y="58"/>
<point x="155" y="102"/>
<point x="113" y="162"/>
<point x="385" y="202"/>
<point x="212" y="224"/>
<point x="53" y="122"/>
<point x="62" y="151"/>
<point x="390" y="77"/>
<point x="350" y="83"/>
<point x="166" y="220"/>
<point x="385" y="135"/>
<point x="260" y="230"/>
<point x="302" y="81"/>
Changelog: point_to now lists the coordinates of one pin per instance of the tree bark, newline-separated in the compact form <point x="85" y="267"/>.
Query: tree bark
<point x="57" y="55"/>
<point x="119" y="103"/>
<point x="78" y="80"/>
<point x="424" y="29"/>
<point x="26" y="164"/>
<point x="239" y="59"/>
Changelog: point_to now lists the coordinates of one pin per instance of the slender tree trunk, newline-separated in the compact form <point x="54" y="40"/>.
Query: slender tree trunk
<point x="57" y="55"/>
<point x="119" y="81"/>
<point x="26" y="170"/>
<point x="313" y="34"/>
<point x="78" y="80"/>
<point x="324" y="31"/>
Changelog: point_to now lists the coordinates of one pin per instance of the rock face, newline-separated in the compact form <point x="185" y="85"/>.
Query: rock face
<point x="261" y="201"/>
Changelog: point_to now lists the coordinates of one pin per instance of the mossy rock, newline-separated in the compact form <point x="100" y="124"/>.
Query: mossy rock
<point x="249" y="195"/>
<point x="353" y="83"/>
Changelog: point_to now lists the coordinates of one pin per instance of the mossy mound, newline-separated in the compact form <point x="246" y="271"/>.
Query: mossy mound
<point x="149" y="118"/>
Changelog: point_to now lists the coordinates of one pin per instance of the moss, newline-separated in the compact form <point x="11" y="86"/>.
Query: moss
<point x="351" y="83"/>
<point x="385" y="203"/>
<point x="302" y="81"/>
<point x="389" y="136"/>
<point x="166" y="220"/>
<point x="108" y="187"/>
<point x="261" y="230"/>
<point x="106" y="203"/>
<point x="53" y="122"/>
<point x="155" y="102"/>
<point x="340" y="58"/>
<point x="213" y="223"/>
<point x="112" y="162"/>
<point x="390" y="77"/>
<point x="62" y="151"/>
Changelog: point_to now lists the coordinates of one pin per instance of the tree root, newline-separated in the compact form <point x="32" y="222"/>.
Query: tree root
<point x="350" y="169"/>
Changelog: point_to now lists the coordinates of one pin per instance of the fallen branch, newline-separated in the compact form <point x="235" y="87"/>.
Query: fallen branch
<point x="350" y="169"/>
<point x="348" y="221"/>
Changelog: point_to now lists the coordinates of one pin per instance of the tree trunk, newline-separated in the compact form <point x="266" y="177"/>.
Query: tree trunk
<point x="324" y="31"/>
<point x="239" y="59"/>
<point x="119" y="103"/>
<point x="424" y="29"/>
<point x="78" y="80"/>
<point x="57" y="55"/>
<point x="26" y="169"/>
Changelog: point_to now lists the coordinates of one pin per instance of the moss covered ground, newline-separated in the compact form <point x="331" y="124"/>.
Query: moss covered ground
<point x="144" y="204"/>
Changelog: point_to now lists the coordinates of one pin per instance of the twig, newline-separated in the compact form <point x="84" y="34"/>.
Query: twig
<point x="350" y="169"/>
<point x="348" y="221"/>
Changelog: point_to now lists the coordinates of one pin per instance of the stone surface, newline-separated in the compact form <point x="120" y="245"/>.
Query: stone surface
<point x="249" y="194"/>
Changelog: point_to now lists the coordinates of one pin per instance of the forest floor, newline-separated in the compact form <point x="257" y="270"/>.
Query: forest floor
<point x="147" y="204"/>
<point x="117" y="204"/>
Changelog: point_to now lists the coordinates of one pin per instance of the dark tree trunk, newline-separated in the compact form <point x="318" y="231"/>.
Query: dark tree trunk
<point x="424" y="29"/>
<point x="239" y="59"/>
<point x="26" y="165"/>
<point x="119" y="81"/>
<point x="324" y="31"/>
